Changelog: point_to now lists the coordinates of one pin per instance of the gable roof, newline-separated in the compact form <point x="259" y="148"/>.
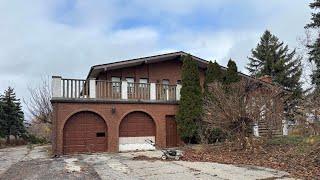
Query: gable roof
<point x="96" y="69"/>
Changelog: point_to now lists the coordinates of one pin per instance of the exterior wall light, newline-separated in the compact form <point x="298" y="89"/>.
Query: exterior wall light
<point x="113" y="109"/>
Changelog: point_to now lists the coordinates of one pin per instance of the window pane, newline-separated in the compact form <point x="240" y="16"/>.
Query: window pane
<point x="130" y="80"/>
<point x="143" y="80"/>
<point x="165" y="81"/>
<point x="115" y="79"/>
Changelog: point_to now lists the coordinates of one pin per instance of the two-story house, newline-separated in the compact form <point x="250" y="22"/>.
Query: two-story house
<point x="120" y="105"/>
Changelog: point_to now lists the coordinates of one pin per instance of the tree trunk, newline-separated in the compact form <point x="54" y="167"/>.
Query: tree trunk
<point x="8" y="139"/>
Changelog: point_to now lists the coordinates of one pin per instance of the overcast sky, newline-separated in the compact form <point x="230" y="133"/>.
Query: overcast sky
<point x="66" y="37"/>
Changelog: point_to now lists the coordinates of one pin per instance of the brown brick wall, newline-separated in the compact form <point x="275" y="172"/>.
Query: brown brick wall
<point x="63" y="111"/>
<point x="155" y="72"/>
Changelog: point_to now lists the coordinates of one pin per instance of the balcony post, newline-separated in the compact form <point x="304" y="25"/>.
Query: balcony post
<point x="153" y="91"/>
<point x="285" y="128"/>
<point x="92" y="88"/>
<point x="178" y="89"/>
<point x="124" y="90"/>
<point x="256" y="130"/>
<point x="56" y="86"/>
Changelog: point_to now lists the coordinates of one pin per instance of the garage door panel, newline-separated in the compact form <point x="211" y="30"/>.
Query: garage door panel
<point x="134" y="129"/>
<point x="94" y="128"/>
<point x="80" y="134"/>
<point x="96" y="141"/>
<point x="74" y="134"/>
<point x="74" y="142"/>
<point x="73" y="149"/>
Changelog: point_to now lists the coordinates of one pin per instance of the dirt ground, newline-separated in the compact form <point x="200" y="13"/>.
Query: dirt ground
<point x="23" y="163"/>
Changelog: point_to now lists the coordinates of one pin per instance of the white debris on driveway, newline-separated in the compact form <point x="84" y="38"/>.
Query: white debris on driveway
<point x="71" y="165"/>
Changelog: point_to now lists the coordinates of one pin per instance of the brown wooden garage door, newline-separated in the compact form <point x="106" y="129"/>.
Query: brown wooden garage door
<point x="171" y="132"/>
<point x="85" y="132"/>
<point x="137" y="124"/>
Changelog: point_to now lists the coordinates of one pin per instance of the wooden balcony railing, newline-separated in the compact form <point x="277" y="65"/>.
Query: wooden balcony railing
<point x="108" y="90"/>
<point x="166" y="92"/>
<point x="75" y="88"/>
<point x="102" y="89"/>
<point x="138" y="91"/>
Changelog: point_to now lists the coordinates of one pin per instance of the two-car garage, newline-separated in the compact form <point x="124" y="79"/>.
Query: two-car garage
<point x="87" y="132"/>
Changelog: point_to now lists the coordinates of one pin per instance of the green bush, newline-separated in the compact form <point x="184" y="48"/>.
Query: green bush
<point x="190" y="106"/>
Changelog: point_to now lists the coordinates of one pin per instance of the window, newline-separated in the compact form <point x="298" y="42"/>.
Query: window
<point x="115" y="79"/>
<point x="100" y="134"/>
<point x="165" y="89"/>
<point x="143" y="80"/>
<point x="130" y="80"/>
<point x="130" y="84"/>
<point x="165" y="81"/>
<point x="115" y="84"/>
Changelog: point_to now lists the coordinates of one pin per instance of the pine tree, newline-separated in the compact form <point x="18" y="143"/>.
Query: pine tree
<point x="190" y="107"/>
<point x="231" y="74"/>
<point x="314" y="56"/>
<point x="13" y="119"/>
<point x="315" y="19"/>
<point x="213" y="73"/>
<point x="271" y="57"/>
<point x="2" y="122"/>
<point x="314" y="49"/>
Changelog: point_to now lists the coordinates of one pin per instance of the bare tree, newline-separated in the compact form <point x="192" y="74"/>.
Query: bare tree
<point x="309" y="120"/>
<point x="39" y="105"/>
<point x="236" y="107"/>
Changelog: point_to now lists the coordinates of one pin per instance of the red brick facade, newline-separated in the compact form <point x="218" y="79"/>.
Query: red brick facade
<point x="114" y="111"/>
<point x="155" y="73"/>
<point x="63" y="111"/>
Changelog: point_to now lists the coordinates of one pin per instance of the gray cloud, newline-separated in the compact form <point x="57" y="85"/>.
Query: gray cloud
<point x="44" y="38"/>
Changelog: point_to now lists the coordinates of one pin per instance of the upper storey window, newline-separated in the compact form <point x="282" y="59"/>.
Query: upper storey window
<point x="143" y="80"/>
<point x="115" y="79"/>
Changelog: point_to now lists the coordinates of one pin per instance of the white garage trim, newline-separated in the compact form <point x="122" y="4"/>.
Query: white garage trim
<point x="135" y="143"/>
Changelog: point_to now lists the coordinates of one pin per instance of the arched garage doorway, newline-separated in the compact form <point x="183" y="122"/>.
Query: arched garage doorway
<point x="135" y="128"/>
<point x="85" y="132"/>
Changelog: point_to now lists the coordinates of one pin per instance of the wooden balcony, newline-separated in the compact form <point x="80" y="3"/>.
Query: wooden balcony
<point x="101" y="89"/>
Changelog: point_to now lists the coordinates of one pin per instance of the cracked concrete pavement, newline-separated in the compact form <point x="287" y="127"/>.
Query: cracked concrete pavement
<point x="23" y="163"/>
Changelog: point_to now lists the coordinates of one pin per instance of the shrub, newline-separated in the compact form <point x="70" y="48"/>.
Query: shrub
<point x="190" y="106"/>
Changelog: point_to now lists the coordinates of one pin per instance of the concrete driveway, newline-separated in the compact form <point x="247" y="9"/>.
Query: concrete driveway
<point x="23" y="163"/>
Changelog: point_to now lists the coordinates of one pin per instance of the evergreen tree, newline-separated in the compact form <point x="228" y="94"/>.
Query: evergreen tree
<point x="13" y="117"/>
<point x="314" y="56"/>
<point x="213" y="73"/>
<point x="190" y="107"/>
<point x="315" y="19"/>
<point x="314" y="49"/>
<point x="271" y="57"/>
<point x="231" y="74"/>
<point x="2" y="122"/>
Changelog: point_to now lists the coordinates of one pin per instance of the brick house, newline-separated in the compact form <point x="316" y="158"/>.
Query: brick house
<point x="120" y="105"/>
